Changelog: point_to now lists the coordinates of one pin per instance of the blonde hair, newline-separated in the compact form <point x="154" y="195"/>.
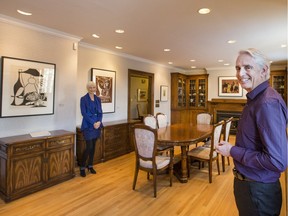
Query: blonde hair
<point x="90" y="83"/>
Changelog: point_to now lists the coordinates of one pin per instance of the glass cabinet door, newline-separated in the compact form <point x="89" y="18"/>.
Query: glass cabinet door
<point x="278" y="80"/>
<point x="278" y="83"/>
<point x="192" y="93"/>
<point x="181" y="92"/>
<point x="202" y="93"/>
<point x="197" y="91"/>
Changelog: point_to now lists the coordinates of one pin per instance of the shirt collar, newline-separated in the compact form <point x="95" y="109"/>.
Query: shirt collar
<point x="251" y="95"/>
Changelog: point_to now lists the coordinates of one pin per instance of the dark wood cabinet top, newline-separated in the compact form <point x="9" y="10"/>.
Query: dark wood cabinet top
<point x="27" y="137"/>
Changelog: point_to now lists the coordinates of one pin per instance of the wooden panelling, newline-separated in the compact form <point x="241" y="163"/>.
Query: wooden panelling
<point x="31" y="164"/>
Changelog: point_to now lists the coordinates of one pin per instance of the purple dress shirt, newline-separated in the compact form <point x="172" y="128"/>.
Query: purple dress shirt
<point x="260" y="151"/>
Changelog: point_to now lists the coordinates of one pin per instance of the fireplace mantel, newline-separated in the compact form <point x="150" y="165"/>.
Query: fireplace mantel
<point x="216" y="101"/>
<point x="228" y="105"/>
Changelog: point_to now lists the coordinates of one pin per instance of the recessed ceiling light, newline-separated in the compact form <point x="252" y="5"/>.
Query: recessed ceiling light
<point x="226" y="64"/>
<point x="118" y="47"/>
<point x="95" y="36"/>
<point x="231" y="41"/>
<point x="119" y="31"/>
<point x="193" y="67"/>
<point x="192" y="60"/>
<point x="220" y="60"/>
<point x="170" y="62"/>
<point x="283" y="45"/>
<point x="204" y="11"/>
<point x="167" y="50"/>
<point x="24" y="13"/>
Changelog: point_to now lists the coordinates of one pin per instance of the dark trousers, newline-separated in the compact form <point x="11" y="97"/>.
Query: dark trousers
<point x="257" y="199"/>
<point x="88" y="153"/>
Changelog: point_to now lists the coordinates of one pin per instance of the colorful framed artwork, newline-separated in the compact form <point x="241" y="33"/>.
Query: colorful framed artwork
<point x="142" y="95"/>
<point x="229" y="87"/>
<point x="28" y="87"/>
<point x="105" y="88"/>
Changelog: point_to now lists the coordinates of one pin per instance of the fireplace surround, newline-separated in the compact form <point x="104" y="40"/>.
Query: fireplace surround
<point x="226" y="108"/>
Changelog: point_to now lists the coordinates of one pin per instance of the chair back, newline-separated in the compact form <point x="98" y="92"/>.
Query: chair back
<point x="162" y="120"/>
<point x="142" y="110"/>
<point x="204" y="118"/>
<point x="227" y="128"/>
<point x="145" y="141"/>
<point x="216" y="134"/>
<point x="150" y="121"/>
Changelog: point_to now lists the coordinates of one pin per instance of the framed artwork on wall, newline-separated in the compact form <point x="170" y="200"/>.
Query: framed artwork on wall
<point x="105" y="88"/>
<point x="28" y="87"/>
<point x="229" y="87"/>
<point x="163" y="93"/>
<point x="142" y="95"/>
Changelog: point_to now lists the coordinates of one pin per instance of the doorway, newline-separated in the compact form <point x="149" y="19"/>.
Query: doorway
<point x="140" y="91"/>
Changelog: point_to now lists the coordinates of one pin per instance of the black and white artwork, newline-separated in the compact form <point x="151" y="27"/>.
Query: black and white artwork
<point x="27" y="87"/>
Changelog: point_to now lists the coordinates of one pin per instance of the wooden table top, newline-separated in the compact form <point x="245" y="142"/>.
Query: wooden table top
<point x="183" y="134"/>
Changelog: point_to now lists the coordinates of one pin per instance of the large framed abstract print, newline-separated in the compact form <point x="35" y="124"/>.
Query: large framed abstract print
<point x="27" y="87"/>
<point x="105" y="88"/>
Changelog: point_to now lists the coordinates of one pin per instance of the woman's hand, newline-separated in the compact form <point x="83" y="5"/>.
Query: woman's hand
<point x="97" y="124"/>
<point x="223" y="148"/>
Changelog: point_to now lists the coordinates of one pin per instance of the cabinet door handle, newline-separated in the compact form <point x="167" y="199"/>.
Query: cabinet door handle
<point x="60" y="141"/>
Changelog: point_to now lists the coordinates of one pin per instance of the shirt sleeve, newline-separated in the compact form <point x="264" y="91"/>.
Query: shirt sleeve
<point x="271" y="121"/>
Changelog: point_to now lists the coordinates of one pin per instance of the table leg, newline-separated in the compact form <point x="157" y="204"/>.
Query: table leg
<point x="181" y="171"/>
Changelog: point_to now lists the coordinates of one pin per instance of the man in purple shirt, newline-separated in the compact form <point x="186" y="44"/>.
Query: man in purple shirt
<point x="260" y="151"/>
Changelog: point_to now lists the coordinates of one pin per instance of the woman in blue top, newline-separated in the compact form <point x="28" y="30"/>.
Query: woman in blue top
<point x="91" y="111"/>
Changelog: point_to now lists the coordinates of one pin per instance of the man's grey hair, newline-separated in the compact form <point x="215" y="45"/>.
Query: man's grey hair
<point x="259" y="58"/>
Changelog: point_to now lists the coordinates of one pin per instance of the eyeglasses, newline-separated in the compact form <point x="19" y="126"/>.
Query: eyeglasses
<point x="246" y="67"/>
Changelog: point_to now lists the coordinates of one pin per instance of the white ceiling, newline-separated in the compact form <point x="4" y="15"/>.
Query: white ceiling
<point x="152" y="25"/>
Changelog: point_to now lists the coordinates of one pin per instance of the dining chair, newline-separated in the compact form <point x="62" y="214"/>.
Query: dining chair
<point x="204" y="118"/>
<point x="204" y="154"/>
<point x="152" y="122"/>
<point x="142" y="111"/>
<point x="162" y="120"/>
<point x="226" y="134"/>
<point x="145" y="141"/>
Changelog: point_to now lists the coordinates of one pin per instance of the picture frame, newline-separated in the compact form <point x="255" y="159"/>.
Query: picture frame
<point x="142" y="95"/>
<point x="105" y="88"/>
<point x="228" y="86"/>
<point x="163" y="93"/>
<point x="27" y="87"/>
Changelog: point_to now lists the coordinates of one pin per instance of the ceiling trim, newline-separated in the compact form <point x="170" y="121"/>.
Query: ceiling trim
<point x="13" y="21"/>
<point x="124" y="55"/>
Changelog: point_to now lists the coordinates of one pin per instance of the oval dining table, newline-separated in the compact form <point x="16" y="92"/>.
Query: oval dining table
<point x="183" y="135"/>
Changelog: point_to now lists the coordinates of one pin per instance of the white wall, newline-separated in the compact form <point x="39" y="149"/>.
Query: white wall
<point x="20" y="41"/>
<point x="213" y="82"/>
<point x="92" y="57"/>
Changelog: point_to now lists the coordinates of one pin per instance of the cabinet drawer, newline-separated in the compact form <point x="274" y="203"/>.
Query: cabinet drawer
<point x="112" y="131"/>
<point x="27" y="148"/>
<point x="61" y="141"/>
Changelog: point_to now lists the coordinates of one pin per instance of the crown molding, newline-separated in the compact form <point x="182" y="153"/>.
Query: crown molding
<point x="21" y="23"/>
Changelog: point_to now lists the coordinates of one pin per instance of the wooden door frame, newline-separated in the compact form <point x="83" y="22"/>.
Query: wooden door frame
<point x="141" y="74"/>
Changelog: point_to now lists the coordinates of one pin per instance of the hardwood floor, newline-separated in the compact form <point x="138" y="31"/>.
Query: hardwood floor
<point x="109" y="192"/>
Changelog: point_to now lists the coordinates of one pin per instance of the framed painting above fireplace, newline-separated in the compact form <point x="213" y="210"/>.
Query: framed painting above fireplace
<point x="228" y="86"/>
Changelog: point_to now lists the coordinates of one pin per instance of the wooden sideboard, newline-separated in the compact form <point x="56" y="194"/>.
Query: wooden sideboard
<point x="115" y="141"/>
<point x="31" y="164"/>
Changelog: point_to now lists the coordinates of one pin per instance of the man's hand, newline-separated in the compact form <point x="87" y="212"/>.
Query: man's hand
<point x="223" y="148"/>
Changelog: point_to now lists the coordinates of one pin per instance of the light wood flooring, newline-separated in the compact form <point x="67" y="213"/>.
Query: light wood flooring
<point x="109" y="193"/>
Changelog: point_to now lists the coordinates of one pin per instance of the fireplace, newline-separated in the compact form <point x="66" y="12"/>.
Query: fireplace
<point x="223" y="115"/>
